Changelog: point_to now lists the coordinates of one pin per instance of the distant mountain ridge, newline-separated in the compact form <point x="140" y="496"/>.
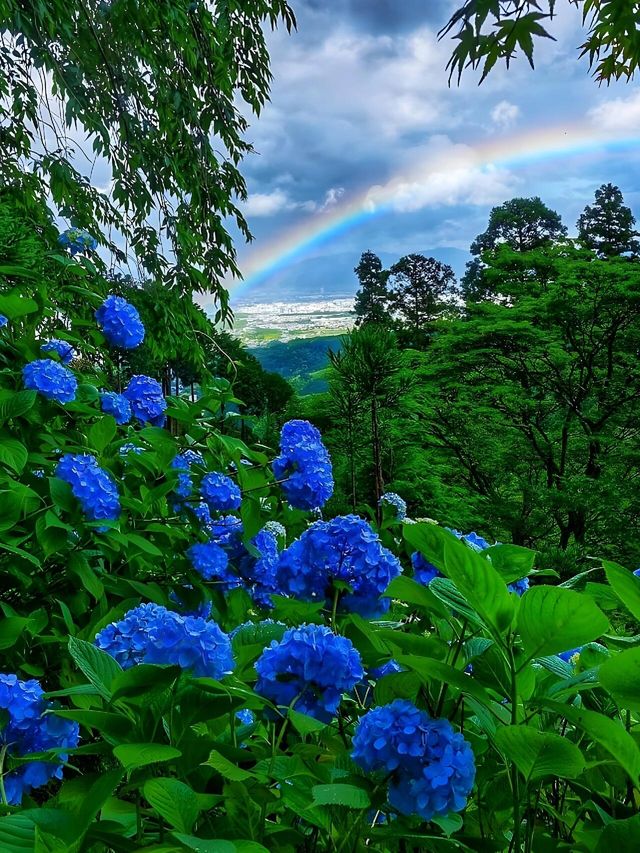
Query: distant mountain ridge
<point x="331" y="276"/>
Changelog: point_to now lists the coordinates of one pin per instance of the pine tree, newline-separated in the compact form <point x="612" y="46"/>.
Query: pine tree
<point x="372" y="299"/>
<point x="608" y="225"/>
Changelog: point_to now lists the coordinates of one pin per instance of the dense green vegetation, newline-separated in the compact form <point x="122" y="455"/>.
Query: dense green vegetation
<point x="514" y="411"/>
<point x="301" y="361"/>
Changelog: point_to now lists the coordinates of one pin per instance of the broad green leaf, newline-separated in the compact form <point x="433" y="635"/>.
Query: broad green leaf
<point x="10" y="630"/>
<point x="620" y="675"/>
<point x="102" y="433"/>
<point x="512" y="561"/>
<point x="435" y="670"/>
<point x="552" y="620"/>
<point x="226" y="768"/>
<point x="15" y="304"/>
<point x="304" y="724"/>
<point x="619" y="835"/>
<point x="17" y="833"/>
<point x="539" y="754"/>
<point x="218" y="845"/>
<point x="174" y="801"/>
<point x="78" y="564"/>
<point x="610" y="734"/>
<point x="410" y="591"/>
<point x="625" y="585"/>
<point x="134" y="755"/>
<point x="143" y="681"/>
<point x="99" y="667"/>
<point x="15" y="403"/>
<point x="338" y="794"/>
<point x="13" y="453"/>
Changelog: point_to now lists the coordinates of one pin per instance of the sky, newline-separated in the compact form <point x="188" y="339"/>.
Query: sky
<point x="360" y="100"/>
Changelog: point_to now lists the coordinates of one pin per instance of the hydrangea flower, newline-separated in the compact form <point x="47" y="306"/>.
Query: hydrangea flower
<point x="246" y="717"/>
<point x="129" y="447"/>
<point x="571" y="656"/>
<point x="3" y="321"/>
<point x="211" y="562"/>
<point x="116" y="405"/>
<point x="519" y="587"/>
<point x="64" y="349"/>
<point x="77" y="240"/>
<point x="203" y="514"/>
<point x="637" y="573"/>
<point x="423" y="571"/>
<point x="432" y="768"/>
<point x="51" y="379"/>
<point x="146" y="399"/>
<point x="345" y="549"/>
<point x="472" y="539"/>
<point x="120" y="322"/>
<point x="152" y="634"/>
<point x="278" y="530"/>
<point x="389" y="668"/>
<point x="304" y="465"/>
<point x="27" y="729"/>
<point x="261" y="572"/>
<point x="93" y="487"/>
<point x="309" y="669"/>
<point x="394" y="502"/>
<point x="203" y="610"/>
<point x="220" y="492"/>
<point x="183" y="461"/>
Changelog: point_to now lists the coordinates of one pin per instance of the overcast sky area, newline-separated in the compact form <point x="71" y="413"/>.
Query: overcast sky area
<point x="360" y="96"/>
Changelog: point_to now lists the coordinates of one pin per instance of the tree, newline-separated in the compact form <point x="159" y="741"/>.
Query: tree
<point x="522" y="223"/>
<point x="419" y="290"/>
<point x="608" y="225"/>
<point x="155" y="89"/>
<point x="487" y="32"/>
<point x="372" y="298"/>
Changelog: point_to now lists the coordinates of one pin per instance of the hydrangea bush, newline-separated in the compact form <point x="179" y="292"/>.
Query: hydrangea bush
<point x="194" y="660"/>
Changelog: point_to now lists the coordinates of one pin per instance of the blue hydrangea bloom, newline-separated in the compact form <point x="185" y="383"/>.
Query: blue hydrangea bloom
<point x="472" y="539"/>
<point x="152" y="634"/>
<point x="220" y="492"/>
<point x="3" y="321"/>
<point x="116" y="405"/>
<point x="93" y="487"/>
<point x="389" y="668"/>
<point x="183" y="461"/>
<point x="637" y="573"/>
<point x="519" y="587"/>
<point x="395" y="503"/>
<point x="146" y="399"/>
<point x="310" y="667"/>
<point x="64" y="349"/>
<point x="261" y="572"/>
<point x="423" y="571"/>
<point x="184" y="486"/>
<point x="129" y="447"/>
<point x="246" y="717"/>
<point x="570" y="656"/>
<point x="28" y="729"/>
<point x="304" y="465"/>
<point x="77" y="240"/>
<point x="432" y="768"/>
<point x="278" y="530"/>
<point x="211" y="561"/>
<point x="120" y="322"/>
<point x="345" y="549"/>
<point x="51" y="379"/>
<point x="202" y="513"/>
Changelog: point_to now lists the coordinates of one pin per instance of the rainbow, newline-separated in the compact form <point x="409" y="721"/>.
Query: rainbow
<point x="320" y="228"/>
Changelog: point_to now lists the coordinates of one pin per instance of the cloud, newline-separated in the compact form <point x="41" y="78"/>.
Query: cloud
<point x="505" y="114"/>
<point x="266" y="204"/>
<point x="617" y="114"/>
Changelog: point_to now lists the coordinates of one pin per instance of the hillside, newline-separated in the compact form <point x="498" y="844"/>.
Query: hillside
<point x="301" y="361"/>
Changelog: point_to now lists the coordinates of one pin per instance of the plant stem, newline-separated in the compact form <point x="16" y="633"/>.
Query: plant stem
<point x="515" y="781"/>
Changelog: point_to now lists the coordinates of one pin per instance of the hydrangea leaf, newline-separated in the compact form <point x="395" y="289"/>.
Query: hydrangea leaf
<point x="539" y="754"/>
<point x="625" y="585"/>
<point x="135" y="755"/>
<point x="339" y="794"/>
<point x="99" y="667"/>
<point x="621" y="677"/>
<point x="174" y="801"/>
<point x="552" y="620"/>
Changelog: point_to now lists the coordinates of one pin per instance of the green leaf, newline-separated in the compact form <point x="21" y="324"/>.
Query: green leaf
<point x="304" y="724"/>
<point x="625" y="585"/>
<point x="17" y="834"/>
<point x="620" y="675"/>
<point x="410" y="591"/>
<point x="174" y="801"/>
<point x="10" y="630"/>
<point x="102" y="433"/>
<point x="226" y="768"/>
<point x="15" y="403"/>
<point x="218" y="845"/>
<point x="539" y="754"/>
<point x="608" y="733"/>
<point x="13" y="453"/>
<point x="99" y="667"/>
<point x="16" y="304"/>
<point x="134" y="755"/>
<point x="77" y="564"/>
<point x="553" y="620"/>
<point x="511" y="561"/>
<point x="338" y="794"/>
<point x="142" y="681"/>
<point x="620" y="835"/>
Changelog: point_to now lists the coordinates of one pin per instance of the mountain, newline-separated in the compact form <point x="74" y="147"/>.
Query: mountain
<point x="301" y="361"/>
<point x="330" y="276"/>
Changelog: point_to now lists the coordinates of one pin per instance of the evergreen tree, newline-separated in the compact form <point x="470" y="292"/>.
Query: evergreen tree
<point x="608" y="225"/>
<point x="372" y="299"/>
<point x="419" y="289"/>
<point x="523" y="223"/>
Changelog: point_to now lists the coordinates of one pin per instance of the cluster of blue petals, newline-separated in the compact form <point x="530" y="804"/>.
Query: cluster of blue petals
<point x="472" y="539"/>
<point x="219" y="492"/>
<point x="396" y="503"/>
<point x="51" y="379"/>
<point x="27" y="729"/>
<point x="152" y="634"/>
<point x="77" y="240"/>
<point x="212" y="563"/>
<point x="304" y="465"/>
<point x="310" y="669"/>
<point x="183" y="461"/>
<point x="146" y="399"/>
<point x="423" y="571"/>
<point x="389" y="668"/>
<point x="278" y="530"/>
<point x="344" y="549"/>
<point x="431" y="767"/>
<point x="116" y="405"/>
<point x="120" y="322"/>
<point x="93" y="487"/>
<point x="65" y="351"/>
<point x="3" y="321"/>
<point x="261" y="572"/>
<point x="519" y="587"/>
<point x="129" y="447"/>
